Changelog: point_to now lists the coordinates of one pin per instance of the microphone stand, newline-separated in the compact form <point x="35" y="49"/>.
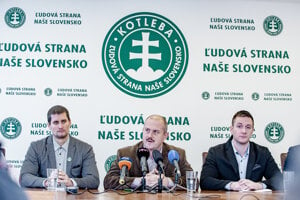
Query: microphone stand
<point x="143" y="182"/>
<point x="143" y="188"/>
<point x="176" y="178"/>
<point x="160" y="185"/>
<point x="176" y="185"/>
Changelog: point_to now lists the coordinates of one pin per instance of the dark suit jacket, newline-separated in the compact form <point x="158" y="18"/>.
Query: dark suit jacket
<point x="40" y="156"/>
<point x="111" y="179"/>
<point x="221" y="167"/>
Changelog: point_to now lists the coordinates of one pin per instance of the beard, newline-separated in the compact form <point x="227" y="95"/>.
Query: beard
<point x="61" y="135"/>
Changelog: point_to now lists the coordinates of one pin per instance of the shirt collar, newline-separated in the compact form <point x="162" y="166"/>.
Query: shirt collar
<point x="236" y="152"/>
<point x="64" y="146"/>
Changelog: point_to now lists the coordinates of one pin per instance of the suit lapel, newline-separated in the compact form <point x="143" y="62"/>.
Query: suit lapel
<point x="50" y="153"/>
<point x="230" y="155"/>
<point x="251" y="161"/>
<point x="165" y="151"/>
<point x="70" y="156"/>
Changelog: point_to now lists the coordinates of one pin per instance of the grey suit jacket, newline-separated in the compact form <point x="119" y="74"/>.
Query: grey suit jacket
<point x="292" y="161"/>
<point x="221" y="167"/>
<point x="81" y="166"/>
<point x="111" y="179"/>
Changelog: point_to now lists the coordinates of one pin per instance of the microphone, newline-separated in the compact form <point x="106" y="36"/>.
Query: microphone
<point x="124" y="163"/>
<point x="158" y="158"/>
<point x="173" y="157"/>
<point x="143" y="155"/>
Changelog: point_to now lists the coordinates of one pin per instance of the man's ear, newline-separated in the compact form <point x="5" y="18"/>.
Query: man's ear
<point x="166" y="135"/>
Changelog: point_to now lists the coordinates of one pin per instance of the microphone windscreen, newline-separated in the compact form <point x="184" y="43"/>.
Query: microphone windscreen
<point x="125" y="161"/>
<point x="143" y="152"/>
<point x="173" y="155"/>
<point x="157" y="156"/>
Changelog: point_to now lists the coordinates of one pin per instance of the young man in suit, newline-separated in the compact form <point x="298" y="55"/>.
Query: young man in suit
<point x="239" y="164"/>
<point x="75" y="159"/>
<point x="154" y="134"/>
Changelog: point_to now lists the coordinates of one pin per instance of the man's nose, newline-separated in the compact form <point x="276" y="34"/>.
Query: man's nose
<point x="244" y="129"/>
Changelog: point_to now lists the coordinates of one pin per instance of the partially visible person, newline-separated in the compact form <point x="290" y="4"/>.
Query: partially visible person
<point x="75" y="159"/>
<point x="2" y="156"/>
<point x="292" y="161"/>
<point x="154" y="134"/>
<point x="239" y="164"/>
<point x="9" y="190"/>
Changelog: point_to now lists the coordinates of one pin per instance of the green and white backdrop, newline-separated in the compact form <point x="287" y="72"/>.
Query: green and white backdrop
<point x="112" y="63"/>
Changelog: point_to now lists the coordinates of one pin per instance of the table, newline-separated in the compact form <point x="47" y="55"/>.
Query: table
<point x="42" y="194"/>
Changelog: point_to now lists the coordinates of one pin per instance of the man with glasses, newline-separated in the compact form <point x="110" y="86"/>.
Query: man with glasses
<point x="239" y="164"/>
<point x="154" y="134"/>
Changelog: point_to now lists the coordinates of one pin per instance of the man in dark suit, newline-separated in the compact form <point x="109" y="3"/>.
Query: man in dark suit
<point x="154" y="134"/>
<point x="240" y="164"/>
<point x="75" y="159"/>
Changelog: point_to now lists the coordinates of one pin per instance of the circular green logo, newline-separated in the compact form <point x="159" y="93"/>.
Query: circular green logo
<point x="145" y="55"/>
<point x="11" y="128"/>
<point x="15" y="17"/>
<point x="274" y="132"/>
<point x="273" y="25"/>
<point x="255" y="96"/>
<point x="48" y="92"/>
<point x="205" y="95"/>
<point x="109" y="162"/>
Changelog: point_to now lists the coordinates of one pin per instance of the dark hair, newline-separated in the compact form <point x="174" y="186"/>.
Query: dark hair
<point x="58" y="109"/>
<point x="242" y="113"/>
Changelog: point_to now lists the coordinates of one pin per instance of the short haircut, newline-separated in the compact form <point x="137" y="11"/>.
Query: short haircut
<point x="242" y="113"/>
<point x="58" y="109"/>
<point x="160" y="118"/>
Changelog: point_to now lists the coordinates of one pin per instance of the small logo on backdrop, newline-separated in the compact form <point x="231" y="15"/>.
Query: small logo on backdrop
<point x="255" y="96"/>
<point x="15" y="17"/>
<point x="11" y="128"/>
<point x="48" y="92"/>
<point x="274" y="132"/>
<point x="145" y="55"/>
<point x="109" y="162"/>
<point x="205" y="95"/>
<point x="273" y="25"/>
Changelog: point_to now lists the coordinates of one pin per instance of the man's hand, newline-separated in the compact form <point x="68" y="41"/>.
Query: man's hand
<point x="153" y="176"/>
<point x="245" y="184"/>
<point x="64" y="179"/>
<point x="250" y="185"/>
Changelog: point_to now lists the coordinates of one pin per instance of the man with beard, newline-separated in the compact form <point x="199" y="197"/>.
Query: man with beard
<point x="75" y="159"/>
<point x="154" y="134"/>
<point x="238" y="164"/>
